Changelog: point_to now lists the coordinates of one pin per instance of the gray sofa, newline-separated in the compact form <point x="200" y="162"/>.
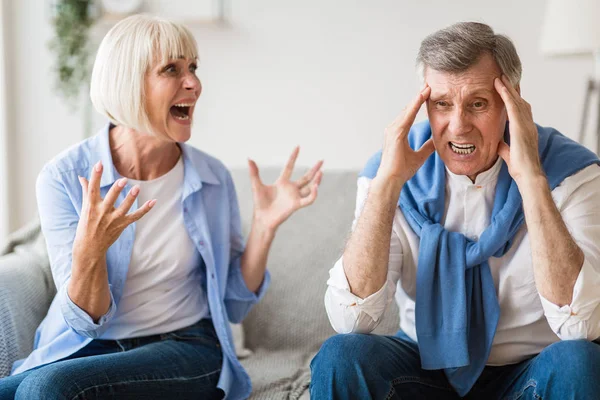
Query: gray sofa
<point x="284" y="331"/>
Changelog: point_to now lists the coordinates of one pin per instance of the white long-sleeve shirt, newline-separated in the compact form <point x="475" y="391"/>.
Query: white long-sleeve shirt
<point x="528" y="322"/>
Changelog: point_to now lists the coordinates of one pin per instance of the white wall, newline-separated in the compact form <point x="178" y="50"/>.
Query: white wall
<point x="4" y="203"/>
<point x="329" y="75"/>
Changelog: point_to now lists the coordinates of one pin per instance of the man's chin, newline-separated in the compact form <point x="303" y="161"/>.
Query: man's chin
<point x="462" y="168"/>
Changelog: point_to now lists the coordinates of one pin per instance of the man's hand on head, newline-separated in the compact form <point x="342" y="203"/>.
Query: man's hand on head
<point x="399" y="162"/>
<point x="522" y="156"/>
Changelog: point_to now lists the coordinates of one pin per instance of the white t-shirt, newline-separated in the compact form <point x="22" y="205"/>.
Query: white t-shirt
<point x="164" y="290"/>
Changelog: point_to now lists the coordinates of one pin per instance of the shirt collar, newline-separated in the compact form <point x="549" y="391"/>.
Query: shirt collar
<point x="483" y="179"/>
<point x="196" y="169"/>
<point x="100" y="151"/>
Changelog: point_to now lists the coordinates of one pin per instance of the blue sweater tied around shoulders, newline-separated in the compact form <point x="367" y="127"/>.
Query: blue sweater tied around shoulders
<point x="456" y="309"/>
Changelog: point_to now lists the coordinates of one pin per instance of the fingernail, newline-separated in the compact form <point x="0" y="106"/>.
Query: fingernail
<point x="152" y="203"/>
<point x="98" y="166"/>
<point x="135" y="190"/>
<point x="121" y="182"/>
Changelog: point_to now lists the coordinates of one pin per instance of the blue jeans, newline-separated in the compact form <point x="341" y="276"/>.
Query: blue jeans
<point x="357" y="366"/>
<point x="184" y="364"/>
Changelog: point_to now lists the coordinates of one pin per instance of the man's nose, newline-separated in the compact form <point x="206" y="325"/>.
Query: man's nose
<point x="459" y="122"/>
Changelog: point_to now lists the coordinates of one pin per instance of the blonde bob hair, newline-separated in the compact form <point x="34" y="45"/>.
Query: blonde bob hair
<point x="127" y="53"/>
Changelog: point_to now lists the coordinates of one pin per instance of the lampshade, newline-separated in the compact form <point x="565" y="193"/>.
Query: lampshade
<point x="571" y="27"/>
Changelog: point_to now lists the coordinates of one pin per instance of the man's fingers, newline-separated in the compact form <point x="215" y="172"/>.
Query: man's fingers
<point x="113" y="193"/>
<point x="425" y="151"/>
<point x="140" y="212"/>
<point x="412" y="110"/>
<point x="94" y="184"/>
<point x="511" y="89"/>
<point x="507" y="98"/>
<point x="415" y="106"/>
<point x="309" y="175"/>
<point x="504" y="152"/>
<point x="289" y="167"/>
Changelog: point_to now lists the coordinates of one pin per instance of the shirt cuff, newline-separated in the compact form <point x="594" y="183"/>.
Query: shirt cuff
<point x="78" y="319"/>
<point x="570" y="321"/>
<point x="238" y="290"/>
<point x="373" y="305"/>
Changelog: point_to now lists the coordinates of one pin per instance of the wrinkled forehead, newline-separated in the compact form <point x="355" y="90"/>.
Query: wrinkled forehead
<point x="478" y="78"/>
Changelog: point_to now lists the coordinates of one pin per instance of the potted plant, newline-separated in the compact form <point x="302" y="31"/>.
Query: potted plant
<point x="72" y="21"/>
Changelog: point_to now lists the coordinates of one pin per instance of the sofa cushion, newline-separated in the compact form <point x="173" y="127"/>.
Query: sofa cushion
<point x="290" y="322"/>
<point x="26" y="290"/>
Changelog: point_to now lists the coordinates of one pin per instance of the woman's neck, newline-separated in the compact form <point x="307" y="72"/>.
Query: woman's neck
<point x="141" y="156"/>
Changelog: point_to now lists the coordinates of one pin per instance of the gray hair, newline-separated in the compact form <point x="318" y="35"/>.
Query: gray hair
<point x="456" y="48"/>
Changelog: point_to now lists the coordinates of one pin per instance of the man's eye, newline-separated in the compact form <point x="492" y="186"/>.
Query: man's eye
<point x="441" y="103"/>
<point x="479" y="104"/>
<point x="193" y="68"/>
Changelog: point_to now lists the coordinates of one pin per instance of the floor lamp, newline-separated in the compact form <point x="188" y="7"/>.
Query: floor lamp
<point x="571" y="27"/>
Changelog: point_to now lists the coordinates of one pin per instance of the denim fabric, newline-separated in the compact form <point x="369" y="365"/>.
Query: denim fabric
<point x="212" y="218"/>
<point x="359" y="366"/>
<point x="184" y="364"/>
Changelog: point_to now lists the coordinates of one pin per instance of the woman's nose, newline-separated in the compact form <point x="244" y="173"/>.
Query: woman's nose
<point x="192" y="83"/>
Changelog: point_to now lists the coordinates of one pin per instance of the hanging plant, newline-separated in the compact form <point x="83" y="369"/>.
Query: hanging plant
<point x="72" y="22"/>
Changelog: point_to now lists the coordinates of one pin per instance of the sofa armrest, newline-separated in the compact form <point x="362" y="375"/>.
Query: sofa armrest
<point x="26" y="290"/>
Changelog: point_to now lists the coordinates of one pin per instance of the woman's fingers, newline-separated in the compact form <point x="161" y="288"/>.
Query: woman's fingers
<point x="254" y="174"/>
<point x="309" y="175"/>
<point x="113" y="193"/>
<point x="312" y="196"/>
<point x="289" y="166"/>
<point x="84" y="187"/>
<point x="93" y="193"/>
<point x="307" y="190"/>
<point x="123" y="209"/>
<point x="140" y="212"/>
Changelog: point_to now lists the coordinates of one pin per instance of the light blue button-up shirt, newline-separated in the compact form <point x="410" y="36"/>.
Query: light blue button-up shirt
<point x="212" y="219"/>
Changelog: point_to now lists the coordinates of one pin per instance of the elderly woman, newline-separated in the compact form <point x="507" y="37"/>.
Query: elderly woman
<point x="144" y="239"/>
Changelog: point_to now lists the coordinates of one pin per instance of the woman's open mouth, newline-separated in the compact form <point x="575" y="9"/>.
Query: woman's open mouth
<point x="181" y="111"/>
<point x="462" y="149"/>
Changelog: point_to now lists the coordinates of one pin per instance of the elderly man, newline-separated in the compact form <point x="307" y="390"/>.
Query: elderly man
<point x="486" y="228"/>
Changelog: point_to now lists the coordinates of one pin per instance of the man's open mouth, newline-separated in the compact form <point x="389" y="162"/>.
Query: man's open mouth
<point x="459" y="148"/>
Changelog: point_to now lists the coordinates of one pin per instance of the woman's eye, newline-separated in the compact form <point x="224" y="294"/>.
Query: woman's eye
<point x="171" y="68"/>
